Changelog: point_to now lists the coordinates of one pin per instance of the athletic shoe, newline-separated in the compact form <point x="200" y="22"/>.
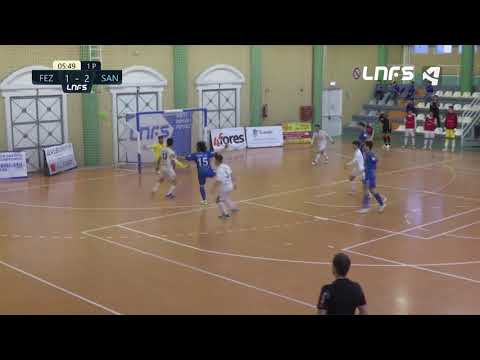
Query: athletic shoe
<point x="453" y="150"/>
<point x="444" y="149"/>
<point x="425" y="148"/>
<point x="314" y="163"/>
<point x="224" y="216"/>
<point x="170" y="196"/>
<point x="381" y="208"/>
<point x="234" y="210"/>
<point x="204" y="203"/>
<point x="388" y="147"/>
<point x="363" y="211"/>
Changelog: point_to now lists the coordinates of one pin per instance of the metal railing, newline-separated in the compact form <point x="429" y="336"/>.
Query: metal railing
<point x="474" y="114"/>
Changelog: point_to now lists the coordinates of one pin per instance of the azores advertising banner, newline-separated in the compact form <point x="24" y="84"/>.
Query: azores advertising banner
<point x="60" y="158"/>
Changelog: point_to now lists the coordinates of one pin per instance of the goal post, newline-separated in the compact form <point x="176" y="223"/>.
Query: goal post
<point x="141" y="131"/>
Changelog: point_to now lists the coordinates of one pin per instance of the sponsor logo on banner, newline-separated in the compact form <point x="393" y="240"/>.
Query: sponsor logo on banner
<point x="265" y="136"/>
<point x="60" y="158"/>
<point x="297" y="133"/>
<point x="13" y="165"/>
<point x="234" y="137"/>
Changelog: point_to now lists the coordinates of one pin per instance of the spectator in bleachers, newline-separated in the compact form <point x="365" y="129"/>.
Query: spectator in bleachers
<point x="410" y="91"/>
<point x="435" y="109"/>
<point x="393" y="92"/>
<point x="379" y="92"/>
<point x="411" y="107"/>
<point x="428" y="92"/>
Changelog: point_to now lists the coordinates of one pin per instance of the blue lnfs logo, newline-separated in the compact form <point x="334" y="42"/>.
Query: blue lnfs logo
<point x="149" y="133"/>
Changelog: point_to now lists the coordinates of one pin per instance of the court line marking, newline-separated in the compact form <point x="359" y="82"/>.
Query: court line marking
<point x="325" y="195"/>
<point x="34" y="187"/>
<point x="453" y="230"/>
<point x="331" y="219"/>
<point x="269" y="195"/>
<point x="422" y="268"/>
<point x="250" y="257"/>
<point x="206" y="272"/>
<point x="96" y="208"/>
<point x="71" y="293"/>
<point x="403" y="232"/>
<point x="463" y="237"/>
<point x="328" y="205"/>
<point x="428" y="192"/>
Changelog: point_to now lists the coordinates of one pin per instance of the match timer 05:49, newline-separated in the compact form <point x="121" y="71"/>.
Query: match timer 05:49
<point x="76" y="76"/>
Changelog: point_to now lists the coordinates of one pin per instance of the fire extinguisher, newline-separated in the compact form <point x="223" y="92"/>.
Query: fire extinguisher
<point x="265" y="111"/>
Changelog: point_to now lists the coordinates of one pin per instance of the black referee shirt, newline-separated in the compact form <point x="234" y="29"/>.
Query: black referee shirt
<point x="341" y="297"/>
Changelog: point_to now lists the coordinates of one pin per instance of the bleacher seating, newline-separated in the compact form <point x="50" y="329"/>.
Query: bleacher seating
<point x="467" y="94"/>
<point x="439" y="93"/>
<point x="422" y="105"/>
<point x="457" y="107"/>
<point x="421" y="117"/>
<point x="448" y="94"/>
<point x="476" y="94"/>
<point x="457" y="94"/>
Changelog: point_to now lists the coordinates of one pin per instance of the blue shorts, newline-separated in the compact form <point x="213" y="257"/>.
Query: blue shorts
<point x="370" y="182"/>
<point x="202" y="176"/>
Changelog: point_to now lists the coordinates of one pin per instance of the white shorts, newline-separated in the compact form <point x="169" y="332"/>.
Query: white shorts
<point x="410" y="132"/>
<point x="357" y="172"/>
<point x="167" y="173"/>
<point x="224" y="192"/>
<point x="321" y="148"/>
<point x="429" y="134"/>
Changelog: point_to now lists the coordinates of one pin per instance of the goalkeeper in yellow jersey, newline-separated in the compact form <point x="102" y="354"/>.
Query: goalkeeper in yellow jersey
<point x="157" y="149"/>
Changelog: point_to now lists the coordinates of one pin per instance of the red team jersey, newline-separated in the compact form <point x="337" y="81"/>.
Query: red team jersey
<point x="429" y="124"/>
<point x="451" y="121"/>
<point x="410" y="122"/>
<point x="369" y="130"/>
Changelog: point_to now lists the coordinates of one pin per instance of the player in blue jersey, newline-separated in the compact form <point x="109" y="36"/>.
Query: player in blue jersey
<point x="370" y="182"/>
<point x="363" y="134"/>
<point x="204" y="169"/>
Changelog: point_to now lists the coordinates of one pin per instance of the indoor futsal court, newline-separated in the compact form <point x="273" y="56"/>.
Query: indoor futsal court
<point x="93" y="242"/>
<point x="121" y="168"/>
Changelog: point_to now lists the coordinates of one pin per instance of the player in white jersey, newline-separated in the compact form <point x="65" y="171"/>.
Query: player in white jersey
<point x="358" y="163"/>
<point x="225" y="185"/>
<point x="319" y="142"/>
<point x="166" y="169"/>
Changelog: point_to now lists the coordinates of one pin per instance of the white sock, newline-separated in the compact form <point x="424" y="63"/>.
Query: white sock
<point x="230" y="203"/>
<point x="156" y="187"/>
<point x="446" y="143"/>
<point x="425" y="143"/>
<point x="222" y="208"/>
<point x="405" y="141"/>
<point x="453" y="145"/>
<point x="317" y="157"/>
<point x="413" y="140"/>
<point x="354" y="188"/>
<point x="171" y="190"/>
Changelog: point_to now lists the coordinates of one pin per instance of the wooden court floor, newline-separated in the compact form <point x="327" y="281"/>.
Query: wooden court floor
<point x="92" y="241"/>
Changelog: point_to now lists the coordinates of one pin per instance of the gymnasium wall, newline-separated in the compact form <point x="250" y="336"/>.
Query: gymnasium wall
<point x="395" y="54"/>
<point x="340" y="60"/>
<point x="201" y="57"/>
<point x="15" y="57"/>
<point x="286" y="81"/>
<point x="114" y="57"/>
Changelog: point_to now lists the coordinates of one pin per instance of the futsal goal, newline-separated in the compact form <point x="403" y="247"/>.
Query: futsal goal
<point x="138" y="131"/>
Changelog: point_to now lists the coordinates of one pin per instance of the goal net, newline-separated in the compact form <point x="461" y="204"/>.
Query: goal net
<point x="138" y="131"/>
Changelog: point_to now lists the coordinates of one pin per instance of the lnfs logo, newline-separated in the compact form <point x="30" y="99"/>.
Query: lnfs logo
<point x="406" y="73"/>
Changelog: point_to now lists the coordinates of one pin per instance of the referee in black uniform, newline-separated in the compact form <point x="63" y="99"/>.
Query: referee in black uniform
<point x="343" y="296"/>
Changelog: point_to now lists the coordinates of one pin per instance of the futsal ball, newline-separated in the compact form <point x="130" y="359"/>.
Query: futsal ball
<point x="103" y="116"/>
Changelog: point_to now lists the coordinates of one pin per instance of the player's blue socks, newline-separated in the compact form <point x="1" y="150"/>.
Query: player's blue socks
<point x="202" y="192"/>
<point x="379" y="198"/>
<point x="366" y="201"/>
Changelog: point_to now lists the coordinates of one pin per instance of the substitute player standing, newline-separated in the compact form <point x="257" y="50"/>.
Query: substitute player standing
<point x="363" y="134"/>
<point x="167" y="163"/>
<point x="319" y="141"/>
<point x="370" y="182"/>
<point x="429" y="131"/>
<point x="386" y="130"/>
<point x="358" y="165"/>
<point x="225" y="185"/>
<point x="451" y="123"/>
<point x="410" y="126"/>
